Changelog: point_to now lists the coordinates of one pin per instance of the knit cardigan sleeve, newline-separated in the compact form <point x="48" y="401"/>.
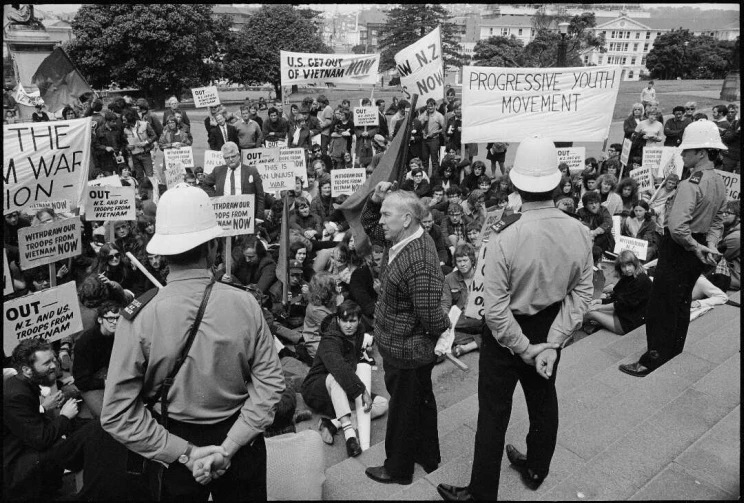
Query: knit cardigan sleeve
<point x="371" y="222"/>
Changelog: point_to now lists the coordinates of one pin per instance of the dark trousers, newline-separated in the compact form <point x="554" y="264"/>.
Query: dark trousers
<point x="245" y="480"/>
<point x="411" y="434"/>
<point x="498" y="376"/>
<point x="668" y="311"/>
<point x="325" y="139"/>
<point x="430" y="149"/>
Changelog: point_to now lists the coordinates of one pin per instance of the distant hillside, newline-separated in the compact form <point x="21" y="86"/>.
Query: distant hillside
<point x="685" y="14"/>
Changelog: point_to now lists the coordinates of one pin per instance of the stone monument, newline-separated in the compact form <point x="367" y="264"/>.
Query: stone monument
<point x="731" y="90"/>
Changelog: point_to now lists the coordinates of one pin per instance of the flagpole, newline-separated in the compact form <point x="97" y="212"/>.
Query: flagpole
<point x="403" y="153"/>
<point x="284" y="252"/>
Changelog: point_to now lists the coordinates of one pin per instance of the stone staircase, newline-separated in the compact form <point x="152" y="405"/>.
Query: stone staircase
<point x="674" y="434"/>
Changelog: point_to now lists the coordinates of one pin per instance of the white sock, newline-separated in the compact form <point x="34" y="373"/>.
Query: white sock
<point x="349" y="431"/>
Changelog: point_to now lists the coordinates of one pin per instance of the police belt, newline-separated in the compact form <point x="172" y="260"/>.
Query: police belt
<point x="700" y="237"/>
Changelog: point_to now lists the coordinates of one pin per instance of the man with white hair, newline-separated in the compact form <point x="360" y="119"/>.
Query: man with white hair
<point x="173" y="108"/>
<point x="235" y="178"/>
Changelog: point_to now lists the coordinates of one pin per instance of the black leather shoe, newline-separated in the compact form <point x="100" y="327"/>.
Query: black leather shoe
<point x="519" y="462"/>
<point x="454" y="493"/>
<point x="381" y="475"/>
<point x="353" y="449"/>
<point x="515" y="457"/>
<point x="327" y="430"/>
<point x="635" y="369"/>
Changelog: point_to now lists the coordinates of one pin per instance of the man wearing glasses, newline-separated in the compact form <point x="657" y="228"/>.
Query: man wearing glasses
<point x="235" y="178"/>
<point x="690" y="108"/>
<point x="92" y="355"/>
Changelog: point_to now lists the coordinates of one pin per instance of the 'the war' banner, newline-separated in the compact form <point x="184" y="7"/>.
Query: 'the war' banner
<point x="49" y="314"/>
<point x="300" y="68"/>
<point x="111" y="203"/>
<point x="562" y="104"/>
<point x="421" y="69"/>
<point x="48" y="243"/>
<point x="235" y="214"/>
<point x="45" y="161"/>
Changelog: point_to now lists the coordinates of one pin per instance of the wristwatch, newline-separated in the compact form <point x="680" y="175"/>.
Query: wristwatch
<point x="184" y="458"/>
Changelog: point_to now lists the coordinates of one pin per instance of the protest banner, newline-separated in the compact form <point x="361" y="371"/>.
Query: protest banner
<point x="49" y="243"/>
<point x="205" y="96"/>
<point x="111" y="181"/>
<point x="301" y="68"/>
<point x="638" y="246"/>
<point x="50" y="314"/>
<point x="670" y="162"/>
<point x="45" y="161"/>
<point x="617" y="221"/>
<point x="58" y="206"/>
<point x="347" y="181"/>
<point x="184" y="155"/>
<point x="366" y="116"/>
<point x="573" y="156"/>
<point x="625" y="154"/>
<point x="256" y="156"/>
<point x="421" y="69"/>
<point x="276" y="143"/>
<point x="7" y="279"/>
<point x="212" y="159"/>
<point x="111" y="203"/>
<point x="277" y="176"/>
<point x="563" y="104"/>
<point x="652" y="158"/>
<point x="474" y="307"/>
<point x="28" y="99"/>
<point x="174" y="174"/>
<point x="297" y="157"/>
<point x="732" y="181"/>
<point x="644" y="178"/>
<point x="235" y="214"/>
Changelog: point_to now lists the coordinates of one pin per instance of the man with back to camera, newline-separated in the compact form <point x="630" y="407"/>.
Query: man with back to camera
<point x="528" y="321"/>
<point x="223" y="395"/>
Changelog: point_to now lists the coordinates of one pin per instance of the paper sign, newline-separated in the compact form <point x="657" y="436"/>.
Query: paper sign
<point x="51" y="314"/>
<point x="7" y="279"/>
<point x="256" y="156"/>
<point x="45" y="161"/>
<point x="212" y="159"/>
<point x="275" y="143"/>
<point x="366" y="116"/>
<point x="49" y="243"/>
<point x="307" y="68"/>
<point x="174" y="175"/>
<point x="111" y="181"/>
<point x="652" y="158"/>
<point x="671" y="162"/>
<point x="421" y="69"/>
<point x="347" y="181"/>
<point x="573" y="156"/>
<point x="474" y="307"/>
<point x="58" y="206"/>
<point x="297" y="157"/>
<point x="625" y="154"/>
<point x="205" y="96"/>
<point x="184" y="155"/>
<point x="111" y="203"/>
<point x="563" y="104"/>
<point x="277" y="176"/>
<point x="616" y="223"/>
<point x="235" y="214"/>
<point x="643" y="177"/>
<point x="638" y="246"/>
<point x="732" y="181"/>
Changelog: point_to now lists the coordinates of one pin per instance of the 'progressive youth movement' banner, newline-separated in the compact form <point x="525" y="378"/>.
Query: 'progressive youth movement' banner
<point x="299" y="68"/>
<point x="562" y="104"/>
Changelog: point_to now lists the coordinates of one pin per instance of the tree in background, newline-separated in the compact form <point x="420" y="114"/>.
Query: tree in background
<point x="410" y="22"/>
<point x="159" y="48"/>
<point x="499" y="51"/>
<point x="703" y="57"/>
<point x="542" y="51"/>
<point x="252" y="55"/>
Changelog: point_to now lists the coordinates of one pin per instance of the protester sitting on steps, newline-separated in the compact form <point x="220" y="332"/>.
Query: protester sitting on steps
<point x="455" y="293"/>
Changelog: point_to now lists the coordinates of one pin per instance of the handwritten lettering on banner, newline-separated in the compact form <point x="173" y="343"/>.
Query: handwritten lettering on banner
<point x="297" y="157"/>
<point x="212" y="159"/>
<point x="51" y="314"/>
<point x="474" y="308"/>
<point x="652" y="158"/>
<point x="276" y="143"/>
<point x="625" y="154"/>
<point x="732" y="181"/>
<point x="638" y="246"/>
<point x="563" y="104"/>
<point x="421" y="69"/>
<point x="644" y="178"/>
<point x="205" y="96"/>
<point x="235" y="214"/>
<point x="7" y="279"/>
<point x="670" y="162"/>
<point x="174" y="174"/>
<point x="45" y="161"/>
<point x="307" y="68"/>
<point x="277" y="176"/>
<point x="184" y="155"/>
<point x="366" y="116"/>
<point x="111" y="203"/>
<point x="617" y="221"/>
<point x="573" y="156"/>
<point x="256" y="156"/>
<point x="347" y="181"/>
<point x="58" y="206"/>
<point x="48" y="243"/>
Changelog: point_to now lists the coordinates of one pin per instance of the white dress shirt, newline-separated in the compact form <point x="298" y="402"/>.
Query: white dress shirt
<point x="238" y="185"/>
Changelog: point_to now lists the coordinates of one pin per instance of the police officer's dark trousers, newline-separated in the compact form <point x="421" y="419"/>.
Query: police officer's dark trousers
<point x="498" y="375"/>
<point x="668" y="311"/>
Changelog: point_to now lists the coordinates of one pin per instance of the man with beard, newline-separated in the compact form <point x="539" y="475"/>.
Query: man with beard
<point x="34" y="453"/>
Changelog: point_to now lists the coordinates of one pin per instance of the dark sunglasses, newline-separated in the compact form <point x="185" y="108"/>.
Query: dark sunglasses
<point x="113" y="255"/>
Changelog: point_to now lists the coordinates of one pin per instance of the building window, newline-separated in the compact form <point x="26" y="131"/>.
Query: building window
<point x="643" y="60"/>
<point x="625" y="47"/>
<point x="504" y="32"/>
<point x="623" y="60"/>
<point x="648" y="35"/>
<point x="520" y="32"/>
<point x="490" y="31"/>
<point x="638" y="34"/>
<point x="634" y="61"/>
<point x="635" y="47"/>
<point x="645" y="47"/>
<point x="599" y="60"/>
<point x="630" y="74"/>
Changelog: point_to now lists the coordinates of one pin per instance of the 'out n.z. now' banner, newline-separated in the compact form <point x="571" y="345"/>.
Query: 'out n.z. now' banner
<point x="421" y="69"/>
<point x="561" y="104"/>
<point x="306" y="68"/>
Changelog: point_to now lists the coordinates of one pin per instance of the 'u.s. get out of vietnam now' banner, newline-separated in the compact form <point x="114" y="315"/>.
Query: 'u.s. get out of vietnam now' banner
<point x="306" y="68"/>
<point x="45" y="161"/>
<point x="561" y="104"/>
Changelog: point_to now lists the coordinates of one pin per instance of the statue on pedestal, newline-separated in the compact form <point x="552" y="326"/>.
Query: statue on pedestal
<point x="23" y="14"/>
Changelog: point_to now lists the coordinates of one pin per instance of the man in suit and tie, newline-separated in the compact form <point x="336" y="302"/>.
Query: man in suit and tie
<point x="235" y="178"/>
<point x="222" y="133"/>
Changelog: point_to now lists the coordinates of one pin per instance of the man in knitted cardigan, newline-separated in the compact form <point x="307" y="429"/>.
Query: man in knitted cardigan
<point x="408" y="322"/>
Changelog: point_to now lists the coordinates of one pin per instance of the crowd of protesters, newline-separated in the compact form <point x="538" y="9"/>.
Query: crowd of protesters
<point x="333" y="288"/>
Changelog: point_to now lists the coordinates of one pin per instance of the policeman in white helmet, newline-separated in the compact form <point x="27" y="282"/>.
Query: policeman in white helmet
<point x="688" y="246"/>
<point x="538" y="284"/>
<point x="194" y="374"/>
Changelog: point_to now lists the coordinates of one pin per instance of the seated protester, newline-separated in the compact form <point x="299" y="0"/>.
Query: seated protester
<point x="514" y="200"/>
<point x="504" y="185"/>
<point x="300" y="135"/>
<point x="128" y="239"/>
<point x="364" y="285"/>
<point x="453" y="159"/>
<point x="439" y="241"/>
<point x="609" y="198"/>
<point x="13" y="222"/>
<point x="437" y="202"/>
<point x="299" y="290"/>
<point x="499" y="201"/>
<point x="628" y="190"/>
<point x="598" y="220"/>
<point x="613" y="154"/>
<point x="485" y="186"/>
<point x="727" y="275"/>
<point x="566" y="205"/>
<point x="413" y="164"/>
<point x="624" y="309"/>
<point x="565" y="189"/>
<point x="273" y="222"/>
<point x="324" y="158"/>
<point x="37" y="448"/>
<point x="127" y="180"/>
<point x="173" y="136"/>
<point x="299" y="191"/>
<point x="304" y="221"/>
<point x="300" y="251"/>
<point x="453" y="226"/>
<point x="707" y="294"/>
<point x="322" y="204"/>
<point x="344" y="261"/>
<point x="640" y="225"/>
<point x="321" y="303"/>
<point x="252" y="265"/>
<point x="417" y="184"/>
<point x="588" y="184"/>
<point x="474" y="207"/>
<point x="332" y="381"/>
<point x="452" y="195"/>
<point x="446" y="176"/>
<point x="110" y="267"/>
<point x="663" y="197"/>
<point x="470" y="181"/>
<point x="158" y="267"/>
<point x="455" y="293"/>
<point x="473" y="230"/>
<point x="92" y="355"/>
<point x="146" y="228"/>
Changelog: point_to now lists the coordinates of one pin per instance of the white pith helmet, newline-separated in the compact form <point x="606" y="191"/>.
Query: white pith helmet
<point x="536" y="165"/>
<point x="702" y="134"/>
